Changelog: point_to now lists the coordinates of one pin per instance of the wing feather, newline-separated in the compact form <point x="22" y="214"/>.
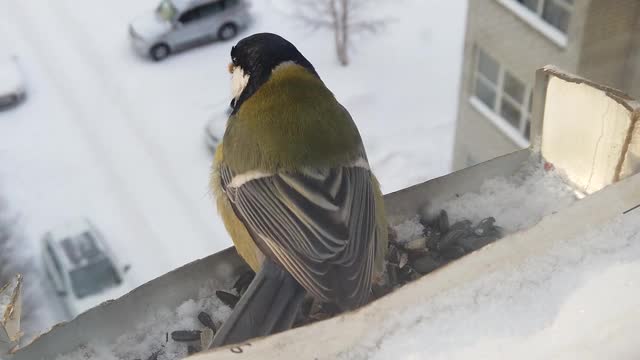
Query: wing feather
<point x="319" y="224"/>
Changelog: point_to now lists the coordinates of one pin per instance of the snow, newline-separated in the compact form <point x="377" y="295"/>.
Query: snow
<point x="153" y="334"/>
<point x="116" y="138"/>
<point x="576" y="301"/>
<point x="516" y="202"/>
<point x="408" y="230"/>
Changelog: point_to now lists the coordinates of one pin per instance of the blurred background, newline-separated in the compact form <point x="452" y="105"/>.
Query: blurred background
<point x="111" y="111"/>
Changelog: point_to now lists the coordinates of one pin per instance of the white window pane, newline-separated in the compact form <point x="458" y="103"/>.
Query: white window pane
<point x="556" y="15"/>
<point x="485" y="93"/>
<point x="513" y="87"/>
<point x="488" y="67"/>
<point x="510" y="113"/>
<point x="530" y="4"/>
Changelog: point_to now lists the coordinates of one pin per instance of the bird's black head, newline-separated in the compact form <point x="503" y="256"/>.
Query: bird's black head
<point x="254" y="58"/>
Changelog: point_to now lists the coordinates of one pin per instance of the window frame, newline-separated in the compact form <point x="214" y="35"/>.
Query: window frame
<point x="493" y="113"/>
<point x="559" y="3"/>
<point x="536" y="21"/>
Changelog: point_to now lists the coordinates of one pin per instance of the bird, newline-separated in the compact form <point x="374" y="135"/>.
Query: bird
<point x="295" y="191"/>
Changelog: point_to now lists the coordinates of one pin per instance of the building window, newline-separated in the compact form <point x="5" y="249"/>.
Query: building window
<point x="504" y="95"/>
<point x="554" y="12"/>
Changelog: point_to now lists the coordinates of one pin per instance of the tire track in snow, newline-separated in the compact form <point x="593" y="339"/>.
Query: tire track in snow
<point x="155" y="151"/>
<point x="87" y="107"/>
<point x="132" y="215"/>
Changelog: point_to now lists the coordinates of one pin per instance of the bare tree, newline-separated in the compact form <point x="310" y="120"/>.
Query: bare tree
<point x="344" y="17"/>
<point x="15" y="258"/>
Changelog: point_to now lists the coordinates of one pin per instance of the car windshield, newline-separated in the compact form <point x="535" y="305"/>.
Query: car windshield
<point x="94" y="278"/>
<point x="166" y="10"/>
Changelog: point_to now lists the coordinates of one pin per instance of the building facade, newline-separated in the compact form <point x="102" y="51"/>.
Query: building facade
<point x="507" y="40"/>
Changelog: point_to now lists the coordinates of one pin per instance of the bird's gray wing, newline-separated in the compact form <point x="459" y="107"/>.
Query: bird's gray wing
<point x="319" y="224"/>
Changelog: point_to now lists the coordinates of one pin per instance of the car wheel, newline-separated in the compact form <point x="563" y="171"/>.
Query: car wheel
<point x="9" y="101"/>
<point x="159" y="52"/>
<point x="227" y="31"/>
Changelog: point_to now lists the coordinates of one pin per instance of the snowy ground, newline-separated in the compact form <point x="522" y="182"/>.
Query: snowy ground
<point x="108" y="135"/>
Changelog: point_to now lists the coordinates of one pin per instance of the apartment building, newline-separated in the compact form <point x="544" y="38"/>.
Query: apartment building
<point x="507" y="40"/>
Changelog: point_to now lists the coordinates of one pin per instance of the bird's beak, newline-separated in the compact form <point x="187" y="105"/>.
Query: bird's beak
<point x="230" y="68"/>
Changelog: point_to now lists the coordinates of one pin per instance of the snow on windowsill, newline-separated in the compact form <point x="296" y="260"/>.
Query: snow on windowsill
<point x="556" y="305"/>
<point x="531" y="18"/>
<point x="499" y="122"/>
<point x="150" y="339"/>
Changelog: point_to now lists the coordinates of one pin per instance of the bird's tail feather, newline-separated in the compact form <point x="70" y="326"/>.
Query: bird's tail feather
<point x="269" y="305"/>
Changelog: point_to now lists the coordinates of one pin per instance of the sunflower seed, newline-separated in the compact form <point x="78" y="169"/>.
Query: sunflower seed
<point x="244" y="281"/>
<point x="404" y="259"/>
<point x="206" y="339"/>
<point x="452" y="237"/>
<point x="432" y="237"/>
<point x="186" y="335"/>
<point x="461" y="225"/>
<point x="206" y="320"/>
<point x="443" y="221"/>
<point x="415" y="244"/>
<point x="425" y="264"/>
<point x="227" y="298"/>
<point x="474" y="243"/>
<point x="484" y="226"/>
<point x="452" y="252"/>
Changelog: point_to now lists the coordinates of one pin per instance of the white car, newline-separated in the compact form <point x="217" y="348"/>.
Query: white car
<point x="180" y="24"/>
<point x="12" y="89"/>
<point x="82" y="268"/>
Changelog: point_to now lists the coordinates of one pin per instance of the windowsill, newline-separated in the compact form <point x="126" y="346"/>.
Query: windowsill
<point x="553" y="34"/>
<point x="499" y="122"/>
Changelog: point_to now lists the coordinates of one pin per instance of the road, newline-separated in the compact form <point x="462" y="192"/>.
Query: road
<point x="85" y="145"/>
<point x="116" y="138"/>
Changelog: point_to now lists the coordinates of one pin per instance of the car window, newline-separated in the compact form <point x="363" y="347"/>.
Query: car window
<point x="230" y="3"/>
<point x="80" y="247"/>
<point x="94" y="278"/>
<point x="211" y="8"/>
<point x="190" y="15"/>
<point x="54" y="260"/>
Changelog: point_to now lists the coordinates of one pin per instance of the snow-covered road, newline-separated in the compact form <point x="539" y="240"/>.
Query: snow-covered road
<point x="108" y="135"/>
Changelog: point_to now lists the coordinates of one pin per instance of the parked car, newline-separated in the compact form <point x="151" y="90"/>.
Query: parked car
<point x="12" y="88"/>
<point x="82" y="268"/>
<point x="214" y="130"/>
<point x="180" y="24"/>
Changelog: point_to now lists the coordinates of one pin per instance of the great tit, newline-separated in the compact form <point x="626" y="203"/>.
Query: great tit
<point x="295" y="191"/>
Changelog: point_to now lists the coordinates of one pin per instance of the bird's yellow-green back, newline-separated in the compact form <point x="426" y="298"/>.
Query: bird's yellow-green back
<point x="293" y="120"/>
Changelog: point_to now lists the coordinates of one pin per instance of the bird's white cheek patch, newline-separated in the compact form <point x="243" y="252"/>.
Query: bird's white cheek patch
<point x="239" y="81"/>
